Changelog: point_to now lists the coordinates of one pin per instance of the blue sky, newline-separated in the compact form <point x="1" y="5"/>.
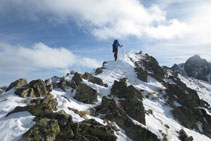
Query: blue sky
<point x="42" y="38"/>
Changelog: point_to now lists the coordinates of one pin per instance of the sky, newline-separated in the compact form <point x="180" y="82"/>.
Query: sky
<point x="43" y="38"/>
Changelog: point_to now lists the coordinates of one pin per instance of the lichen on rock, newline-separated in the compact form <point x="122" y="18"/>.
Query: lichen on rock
<point x="17" y="84"/>
<point x="45" y="130"/>
<point x="86" y="94"/>
<point x="36" y="88"/>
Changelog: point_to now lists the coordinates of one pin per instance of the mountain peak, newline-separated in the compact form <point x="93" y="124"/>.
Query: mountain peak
<point x="196" y="59"/>
<point x="195" y="67"/>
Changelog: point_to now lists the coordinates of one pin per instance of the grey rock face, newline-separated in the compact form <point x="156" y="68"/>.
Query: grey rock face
<point x="86" y="94"/>
<point x="197" y="68"/>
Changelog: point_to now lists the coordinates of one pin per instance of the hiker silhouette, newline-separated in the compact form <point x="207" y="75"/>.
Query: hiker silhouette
<point x="115" y="48"/>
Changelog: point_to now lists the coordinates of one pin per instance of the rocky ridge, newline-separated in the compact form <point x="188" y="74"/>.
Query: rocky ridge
<point x="133" y="98"/>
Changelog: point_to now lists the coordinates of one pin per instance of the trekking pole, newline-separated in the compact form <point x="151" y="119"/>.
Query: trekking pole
<point x="123" y="52"/>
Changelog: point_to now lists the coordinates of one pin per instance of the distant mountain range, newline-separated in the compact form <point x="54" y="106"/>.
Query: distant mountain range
<point x="195" y="67"/>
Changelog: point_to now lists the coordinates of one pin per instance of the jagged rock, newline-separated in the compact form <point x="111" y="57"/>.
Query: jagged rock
<point x="188" y="114"/>
<point x="130" y="100"/>
<point x="100" y="70"/>
<point x="148" y="66"/>
<point x="184" y="137"/>
<point x="151" y="64"/>
<point x="112" y="112"/>
<point x="86" y="94"/>
<point x="35" y="88"/>
<point x="92" y="79"/>
<point x="45" y="130"/>
<point x="39" y="106"/>
<point x="141" y="74"/>
<point x="17" y="84"/>
<point x="72" y="84"/>
<point x="95" y="129"/>
<point x="77" y="78"/>
<point x="63" y="84"/>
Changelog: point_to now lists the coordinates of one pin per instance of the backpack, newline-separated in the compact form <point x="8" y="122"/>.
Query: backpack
<point x="115" y="45"/>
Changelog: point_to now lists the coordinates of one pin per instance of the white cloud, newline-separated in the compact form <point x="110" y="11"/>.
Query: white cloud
<point x="200" y="24"/>
<point x="104" y="18"/>
<point x="18" y="59"/>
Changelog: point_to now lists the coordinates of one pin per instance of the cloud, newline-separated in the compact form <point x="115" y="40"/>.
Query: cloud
<point x="19" y="59"/>
<point x="104" y="18"/>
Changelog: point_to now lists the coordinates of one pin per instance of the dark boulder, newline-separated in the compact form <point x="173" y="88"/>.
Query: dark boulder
<point x="63" y="84"/>
<point x="130" y="99"/>
<point x="92" y="79"/>
<point x="98" y="71"/>
<point x="184" y="137"/>
<point x="77" y="78"/>
<point x="86" y="94"/>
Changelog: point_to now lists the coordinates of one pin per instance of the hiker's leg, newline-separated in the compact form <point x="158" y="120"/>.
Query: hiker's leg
<point x="115" y="54"/>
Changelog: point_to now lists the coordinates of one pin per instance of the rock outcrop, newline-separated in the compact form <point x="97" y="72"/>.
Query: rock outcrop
<point x="17" y="84"/>
<point x="44" y="130"/>
<point x="109" y="110"/>
<point x="77" y="78"/>
<point x="184" y="137"/>
<point x="92" y="79"/>
<point x="86" y="94"/>
<point x="52" y="125"/>
<point x="130" y="99"/>
<point x="148" y="67"/>
<point x="35" y="88"/>
<point x="188" y="113"/>
<point x="100" y="70"/>
<point x="63" y="84"/>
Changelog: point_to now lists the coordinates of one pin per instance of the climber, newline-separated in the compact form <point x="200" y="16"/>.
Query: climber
<point x="115" y="48"/>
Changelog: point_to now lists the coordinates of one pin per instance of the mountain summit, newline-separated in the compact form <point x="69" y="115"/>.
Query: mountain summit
<point x="133" y="98"/>
<point x="195" y="67"/>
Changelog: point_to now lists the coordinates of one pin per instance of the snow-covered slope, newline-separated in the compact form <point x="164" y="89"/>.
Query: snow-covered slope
<point x="203" y="88"/>
<point x="124" y="67"/>
<point x="158" y="115"/>
<point x="14" y="126"/>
